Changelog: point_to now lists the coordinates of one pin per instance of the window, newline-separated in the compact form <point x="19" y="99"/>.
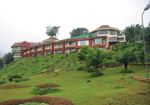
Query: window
<point x="95" y="33"/>
<point x="58" y="51"/>
<point x="16" y="48"/>
<point x="40" y="47"/>
<point x="112" y="39"/>
<point x="99" y="41"/>
<point x="120" y="39"/>
<point x="48" y="46"/>
<point x="17" y="54"/>
<point x="100" y="32"/>
<point x="16" y="58"/>
<point x="84" y="42"/>
<point x="70" y="43"/>
<point x="48" y="52"/>
<point x="112" y="32"/>
<point x="68" y="51"/>
<point x="58" y="44"/>
<point x="33" y="48"/>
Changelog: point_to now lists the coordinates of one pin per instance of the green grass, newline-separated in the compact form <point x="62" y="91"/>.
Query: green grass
<point x="74" y="87"/>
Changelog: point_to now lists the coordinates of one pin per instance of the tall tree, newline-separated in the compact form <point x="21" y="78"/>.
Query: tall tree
<point x="1" y="63"/>
<point x="8" y="58"/>
<point x="126" y="57"/>
<point x="132" y="31"/>
<point x="78" y="32"/>
<point x="52" y="31"/>
<point x="147" y="34"/>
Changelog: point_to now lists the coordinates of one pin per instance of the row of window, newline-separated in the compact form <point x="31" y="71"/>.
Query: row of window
<point x="101" y="32"/>
<point x="16" y="48"/>
<point x="17" y="54"/>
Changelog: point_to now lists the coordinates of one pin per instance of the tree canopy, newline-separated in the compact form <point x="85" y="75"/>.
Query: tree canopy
<point x="147" y="34"/>
<point x="1" y="63"/>
<point x="52" y="31"/>
<point x="8" y="58"/>
<point x="131" y="32"/>
<point x="126" y="57"/>
<point x="78" y="32"/>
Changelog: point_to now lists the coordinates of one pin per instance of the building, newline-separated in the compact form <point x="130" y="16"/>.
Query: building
<point x="102" y="37"/>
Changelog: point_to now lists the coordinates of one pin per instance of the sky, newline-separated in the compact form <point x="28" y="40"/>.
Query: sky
<point x="26" y="20"/>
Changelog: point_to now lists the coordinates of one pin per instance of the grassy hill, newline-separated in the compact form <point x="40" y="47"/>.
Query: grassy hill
<point x="112" y="88"/>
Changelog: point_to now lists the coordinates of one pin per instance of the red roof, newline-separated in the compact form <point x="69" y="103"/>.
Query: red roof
<point x="51" y="38"/>
<point x="16" y="44"/>
<point x="105" y="26"/>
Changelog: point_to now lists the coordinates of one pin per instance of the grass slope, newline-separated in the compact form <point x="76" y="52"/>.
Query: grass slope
<point x="74" y="86"/>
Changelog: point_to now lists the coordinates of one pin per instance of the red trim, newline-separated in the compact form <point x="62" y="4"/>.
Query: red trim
<point x="47" y="50"/>
<point x="43" y="49"/>
<point x="52" y="48"/>
<point x="58" y="49"/>
<point x="82" y="39"/>
<point x="90" y="43"/>
<point x="99" y="45"/>
<point x="76" y="46"/>
<point x="63" y="50"/>
<point x="36" y="51"/>
<point x="70" y="47"/>
<point x="30" y="52"/>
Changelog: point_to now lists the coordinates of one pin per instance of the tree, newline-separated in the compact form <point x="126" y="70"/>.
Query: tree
<point x="78" y="32"/>
<point x="81" y="55"/>
<point x="8" y="58"/>
<point x="147" y="34"/>
<point x="1" y="63"/>
<point x="52" y="31"/>
<point x="95" y="57"/>
<point x="126" y="57"/>
<point x="132" y="31"/>
<point x="141" y="55"/>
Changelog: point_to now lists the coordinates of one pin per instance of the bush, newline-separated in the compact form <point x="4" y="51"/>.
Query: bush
<point x="2" y="82"/>
<point x="126" y="71"/>
<point x="95" y="74"/>
<point x="41" y="99"/>
<point x="118" y="87"/>
<point x="17" y="80"/>
<point x="14" y="76"/>
<point x="24" y="79"/>
<point x="10" y="79"/>
<point x="80" y="68"/>
<point x="89" y="70"/>
<point x="42" y="91"/>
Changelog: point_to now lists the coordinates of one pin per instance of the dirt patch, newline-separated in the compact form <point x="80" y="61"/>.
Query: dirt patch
<point x="13" y="86"/>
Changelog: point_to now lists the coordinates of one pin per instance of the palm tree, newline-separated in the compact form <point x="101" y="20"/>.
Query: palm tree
<point x="132" y="31"/>
<point x="52" y="31"/>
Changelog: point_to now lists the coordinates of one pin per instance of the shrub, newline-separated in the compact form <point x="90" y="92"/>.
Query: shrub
<point x="80" y="68"/>
<point x="118" y="87"/>
<point x="126" y="71"/>
<point x="41" y="99"/>
<point x="14" y="76"/>
<point x="10" y="79"/>
<point x="17" y="80"/>
<point x="2" y="82"/>
<point x="47" y="85"/>
<point x="42" y="91"/>
<point x="95" y="74"/>
<point x="89" y="70"/>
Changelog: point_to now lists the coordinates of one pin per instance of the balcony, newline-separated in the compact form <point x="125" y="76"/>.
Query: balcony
<point x="32" y="51"/>
<point x="19" y="50"/>
<point x="28" y="52"/>
<point x="39" y="50"/>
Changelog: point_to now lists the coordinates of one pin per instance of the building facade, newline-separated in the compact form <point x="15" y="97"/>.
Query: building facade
<point x="102" y="37"/>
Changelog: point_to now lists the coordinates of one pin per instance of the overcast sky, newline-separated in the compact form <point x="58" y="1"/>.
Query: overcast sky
<point x="26" y="20"/>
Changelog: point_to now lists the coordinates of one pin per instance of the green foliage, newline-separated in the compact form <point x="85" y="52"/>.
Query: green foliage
<point x="1" y="63"/>
<point x="14" y="76"/>
<point x="80" y="68"/>
<point x="118" y="87"/>
<point x="147" y="34"/>
<point x="89" y="70"/>
<point x="95" y="74"/>
<point x="126" y="71"/>
<point x="8" y="58"/>
<point x="95" y="57"/>
<point x="2" y="82"/>
<point x="52" y="31"/>
<point x="24" y="79"/>
<point x="10" y="79"/>
<point x="42" y="91"/>
<point x="78" y="31"/>
<point x="17" y="80"/>
<point x="141" y="55"/>
<point x="126" y="57"/>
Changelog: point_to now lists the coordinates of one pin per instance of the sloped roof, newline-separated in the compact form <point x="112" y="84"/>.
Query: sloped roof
<point x="105" y="27"/>
<point x="16" y="45"/>
<point x="50" y="39"/>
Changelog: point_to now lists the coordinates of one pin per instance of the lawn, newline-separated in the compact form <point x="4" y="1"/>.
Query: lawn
<point x="111" y="88"/>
